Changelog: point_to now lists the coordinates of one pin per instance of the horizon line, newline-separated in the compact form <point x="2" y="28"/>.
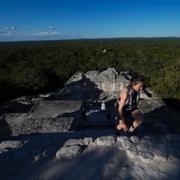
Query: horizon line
<point x="100" y="38"/>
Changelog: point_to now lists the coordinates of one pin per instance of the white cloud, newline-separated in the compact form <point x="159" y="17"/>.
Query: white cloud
<point x="13" y="27"/>
<point x="12" y="33"/>
<point x="46" y="33"/>
<point x="55" y="33"/>
<point x="51" y="27"/>
<point x="5" y="33"/>
<point x="6" y="28"/>
<point x="41" y="33"/>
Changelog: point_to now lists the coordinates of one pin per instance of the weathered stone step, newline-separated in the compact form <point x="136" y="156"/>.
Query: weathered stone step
<point x="38" y="125"/>
<point x="45" y="116"/>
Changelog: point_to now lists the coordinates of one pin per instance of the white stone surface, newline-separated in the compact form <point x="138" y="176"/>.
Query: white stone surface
<point x="68" y="151"/>
<point x="105" y="140"/>
<point x="5" y="145"/>
<point x="87" y="141"/>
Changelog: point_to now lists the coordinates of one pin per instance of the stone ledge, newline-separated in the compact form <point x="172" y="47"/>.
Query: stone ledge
<point x="68" y="152"/>
<point x="105" y="140"/>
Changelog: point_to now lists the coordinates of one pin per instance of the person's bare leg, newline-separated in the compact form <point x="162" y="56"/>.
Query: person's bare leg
<point x="138" y="118"/>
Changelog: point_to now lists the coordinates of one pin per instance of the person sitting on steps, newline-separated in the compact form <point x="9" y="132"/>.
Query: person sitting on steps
<point x="127" y="105"/>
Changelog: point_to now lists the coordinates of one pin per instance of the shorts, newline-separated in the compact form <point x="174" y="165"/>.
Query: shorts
<point x="128" y="112"/>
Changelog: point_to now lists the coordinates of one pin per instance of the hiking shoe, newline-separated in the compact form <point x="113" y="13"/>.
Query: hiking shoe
<point x="129" y="134"/>
<point x="120" y="132"/>
<point x="117" y="132"/>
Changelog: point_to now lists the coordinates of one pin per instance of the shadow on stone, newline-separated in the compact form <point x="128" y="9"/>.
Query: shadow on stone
<point x="5" y="131"/>
<point x="162" y="120"/>
<point x="15" y="107"/>
<point x="172" y="103"/>
<point x="90" y="165"/>
<point x="86" y="165"/>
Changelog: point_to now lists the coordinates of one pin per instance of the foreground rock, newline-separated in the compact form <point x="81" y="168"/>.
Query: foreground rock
<point x="103" y="156"/>
<point x="93" y="85"/>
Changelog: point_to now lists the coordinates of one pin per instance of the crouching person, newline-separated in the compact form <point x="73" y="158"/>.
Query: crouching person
<point x="128" y="106"/>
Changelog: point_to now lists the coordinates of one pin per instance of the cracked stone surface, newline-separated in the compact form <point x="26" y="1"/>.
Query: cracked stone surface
<point x="100" y="154"/>
<point x="62" y="135"/>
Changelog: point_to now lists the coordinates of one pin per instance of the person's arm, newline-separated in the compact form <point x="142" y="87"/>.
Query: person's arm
<point x="122" y="102"/>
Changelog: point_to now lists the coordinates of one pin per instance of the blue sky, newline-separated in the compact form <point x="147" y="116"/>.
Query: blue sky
<point x="72" y="19"/>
